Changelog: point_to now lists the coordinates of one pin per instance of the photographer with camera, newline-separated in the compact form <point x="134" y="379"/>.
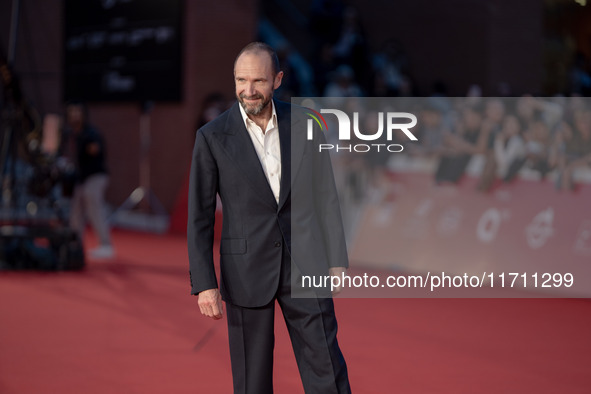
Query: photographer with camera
<point x="82" y="156"/>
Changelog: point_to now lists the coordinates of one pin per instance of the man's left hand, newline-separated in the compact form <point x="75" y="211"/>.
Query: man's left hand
<point x="337" y="271"/>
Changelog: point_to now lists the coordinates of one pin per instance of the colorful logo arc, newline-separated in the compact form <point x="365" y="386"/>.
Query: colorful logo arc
<point x="315" y="117"/>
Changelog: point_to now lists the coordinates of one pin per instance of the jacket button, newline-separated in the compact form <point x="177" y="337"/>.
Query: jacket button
<point x="277" y="244"/>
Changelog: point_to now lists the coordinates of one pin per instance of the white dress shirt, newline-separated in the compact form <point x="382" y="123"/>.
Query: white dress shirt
<point x="267" y="147"/>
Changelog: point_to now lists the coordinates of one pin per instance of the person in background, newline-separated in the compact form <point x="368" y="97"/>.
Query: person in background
<point x="509" y="148"/>
<point x="494" y="113"/>
<point x="574" y="148"/>
<point x="459" y="147"/>
<point x="343" y="84"/>
<point x="213" y="105"/>
<point x="433" y="127"/>
<point x="82" y="153"/>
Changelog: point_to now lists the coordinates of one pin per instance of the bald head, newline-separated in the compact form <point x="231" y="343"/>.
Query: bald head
<point x="260" y="48"/>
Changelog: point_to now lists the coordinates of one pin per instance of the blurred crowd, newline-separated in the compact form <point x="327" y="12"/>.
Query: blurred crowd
<point x="494" y="139"/>
<point x="342" y="60"/>
<point x="500" y="138"/>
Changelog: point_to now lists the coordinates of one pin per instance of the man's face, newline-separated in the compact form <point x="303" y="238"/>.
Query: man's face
<point x="255" y="82"/>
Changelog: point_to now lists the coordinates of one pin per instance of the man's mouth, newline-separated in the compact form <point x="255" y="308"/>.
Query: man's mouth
<point x="253" y="98"/>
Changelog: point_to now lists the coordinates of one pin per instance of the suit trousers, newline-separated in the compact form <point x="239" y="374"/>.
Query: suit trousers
<point x="312" y="327"/>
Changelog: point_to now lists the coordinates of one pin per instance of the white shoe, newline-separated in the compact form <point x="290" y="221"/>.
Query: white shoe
<point x="102" y="252"/>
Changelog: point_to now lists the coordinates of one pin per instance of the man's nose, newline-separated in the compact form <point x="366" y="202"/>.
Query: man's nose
<point x="250" y="90"/>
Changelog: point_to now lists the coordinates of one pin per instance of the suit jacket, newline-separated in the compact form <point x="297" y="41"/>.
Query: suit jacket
<point x="255" y="226"/>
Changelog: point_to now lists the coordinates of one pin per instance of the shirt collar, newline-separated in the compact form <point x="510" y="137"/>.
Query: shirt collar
<point x="272" y="122"/>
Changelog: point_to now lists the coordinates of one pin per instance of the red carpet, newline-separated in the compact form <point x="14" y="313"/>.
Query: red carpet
<point x="129" y="326"/>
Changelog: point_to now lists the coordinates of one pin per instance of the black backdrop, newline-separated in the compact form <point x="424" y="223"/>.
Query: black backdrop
<point x="122" y="50"/>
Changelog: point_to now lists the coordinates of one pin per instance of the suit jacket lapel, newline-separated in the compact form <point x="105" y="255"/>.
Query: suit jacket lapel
<point x="239" y="147"/>
<point x="293" y="145"/>
<point x="285" y="137"/>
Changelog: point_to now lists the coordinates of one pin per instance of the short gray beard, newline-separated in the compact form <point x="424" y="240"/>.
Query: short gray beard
<point x="256" y="110"/>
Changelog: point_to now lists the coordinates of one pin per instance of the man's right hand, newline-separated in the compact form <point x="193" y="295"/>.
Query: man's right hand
<point x="210" y="303"/>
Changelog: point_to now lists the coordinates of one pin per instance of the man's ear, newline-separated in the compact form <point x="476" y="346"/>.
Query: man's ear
<point x="277" y="81"/>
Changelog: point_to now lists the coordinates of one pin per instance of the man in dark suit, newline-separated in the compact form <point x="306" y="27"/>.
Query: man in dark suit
<point x="272" y="184"/>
